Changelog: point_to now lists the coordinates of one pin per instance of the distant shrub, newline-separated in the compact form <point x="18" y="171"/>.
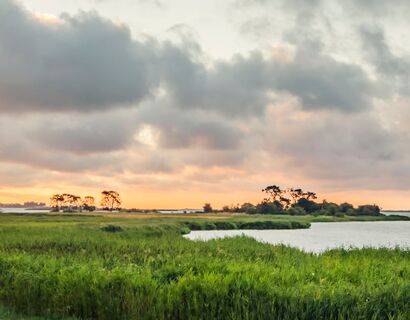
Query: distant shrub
<point x="209" y="226"/>
<point x="111" y="228"/>
<point x="346" y="207"/>
<point x="185" y="230"/>
<point x="262" y="225"/>
<point x="248" y="208"/>
<point x="299" y="225"/>
<point x="269" y="208"/>
<point x="192" y="225"/>
<point x="296" y="211"/>
<point x="350" y="212"/>
<point x="331" y="208"/>
<point x="308" y="205"/>
<point x="225" y="225"/>
<point x="368" y="210"/>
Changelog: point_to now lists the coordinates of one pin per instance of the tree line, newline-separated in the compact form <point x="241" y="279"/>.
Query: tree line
<point x="66" y="202"/>
<point x="293" y="201"/>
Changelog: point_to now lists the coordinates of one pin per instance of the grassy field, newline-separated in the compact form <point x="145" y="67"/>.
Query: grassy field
<point x="132" y="266"/>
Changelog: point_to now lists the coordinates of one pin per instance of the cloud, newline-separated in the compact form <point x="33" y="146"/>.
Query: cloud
<point x="393" y="68"/>
<point x="21" y="146"/>
<point x="81" y="98"/>
<point x="86" y="134"/>
<point x="236" y="88"/>
<point x="338" y="151"/>
<point x="82" y="62"/>
<point x="191" y="129"/>
<point x="242" y="86"/>
<point x="85" y="63"/>
<point x="321" y="82"/>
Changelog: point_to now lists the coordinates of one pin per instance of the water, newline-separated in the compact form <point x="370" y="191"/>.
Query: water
<point x="323" y="236"/>
<point x="175" y="211"/>
<point x="22" y="210"/>
<point x="400" y="213"/>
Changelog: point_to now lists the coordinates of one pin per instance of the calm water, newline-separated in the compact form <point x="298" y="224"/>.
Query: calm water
<point x="400" y="213"/>
<point x="323" y="236"/>
<point x="21" y="210"/>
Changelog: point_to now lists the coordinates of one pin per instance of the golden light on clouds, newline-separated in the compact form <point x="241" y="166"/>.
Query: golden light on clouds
<point x="46" y="18"/>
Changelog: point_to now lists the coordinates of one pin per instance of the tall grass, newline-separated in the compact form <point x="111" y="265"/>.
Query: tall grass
<point x="148" y="271"/>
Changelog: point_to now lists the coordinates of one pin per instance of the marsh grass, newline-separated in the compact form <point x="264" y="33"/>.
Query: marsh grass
<point x="68" y="267"/>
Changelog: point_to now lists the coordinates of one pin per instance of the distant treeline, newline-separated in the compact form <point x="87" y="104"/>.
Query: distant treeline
<point x="297" y="202"/>
<point x="66" y="202"/>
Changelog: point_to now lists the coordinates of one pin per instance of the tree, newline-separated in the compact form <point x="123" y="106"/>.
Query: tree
<point x="295" y="194"/>
<point x="225" y="209"/>
<point x="110" y="200"/>
<point x="57" y="201"/>
<point x="267" y="207"/>
<point x="296" y="211"/>
<point x="70" y="201"/>
<point x="346" y="207"/>
<point x="310" y="195"/>
<point x="88" y="203"/>
<point x="207" y="208"/>
<point x="77" y="202"/>
<point x="368" y="210"/>
<point x="329" y="208"/>
<point x="273" y="191"/>
<point x="248" y="208"/>
<point x="285" y="202"/>
<point x="308" y="205"/>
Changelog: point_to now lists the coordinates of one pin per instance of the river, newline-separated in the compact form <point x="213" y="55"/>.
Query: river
<point x="326" y="235"/>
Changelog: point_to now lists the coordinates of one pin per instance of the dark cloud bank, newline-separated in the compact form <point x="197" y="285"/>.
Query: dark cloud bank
<point x="85" y="62"/>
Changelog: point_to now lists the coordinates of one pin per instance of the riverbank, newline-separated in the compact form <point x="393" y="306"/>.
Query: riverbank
<point x="142" y="268"/>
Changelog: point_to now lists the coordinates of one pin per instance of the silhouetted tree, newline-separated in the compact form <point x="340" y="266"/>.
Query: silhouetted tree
<point x="295" y="194"/>
<point x="225" y="209"/>
<point x="88" y="203"/>
<point x="57" y="201"/>
<point x="248" y="208"/>
<point x="70" y="201"/>
<point x="110" y="200"/>
<point x="310" y="195"/>
<point x="207" y="208"/>
<point x="308" y="205"/>
<point x="285" y="202"/>
<point x="273" y="191"/>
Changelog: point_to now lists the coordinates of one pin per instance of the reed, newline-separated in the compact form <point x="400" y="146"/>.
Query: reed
<point x="76" y="268"/>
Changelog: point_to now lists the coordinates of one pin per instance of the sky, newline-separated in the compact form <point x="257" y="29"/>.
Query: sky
<point x="178" y="103"/>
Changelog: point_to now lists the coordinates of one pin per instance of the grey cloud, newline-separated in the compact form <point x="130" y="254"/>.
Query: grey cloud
<point x="321" y="82"/>
<point x="86" y="134"/>
<point x="190" y="129"/>
<point x="395" y="70"/>
<point x="18" y="145"/>
<point x="86" y="63"/>
<point x="240" y="87"/>
<point x="82" y="63"/>
<point x="341" y="151"/>
<point x="379" y="8"/>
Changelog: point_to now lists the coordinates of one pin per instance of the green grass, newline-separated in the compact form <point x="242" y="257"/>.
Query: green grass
<point x="142" y="268"/>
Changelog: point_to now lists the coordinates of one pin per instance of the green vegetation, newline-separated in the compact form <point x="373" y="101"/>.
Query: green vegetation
<point x="296" y="202"/>
<point x="140" y="267"/>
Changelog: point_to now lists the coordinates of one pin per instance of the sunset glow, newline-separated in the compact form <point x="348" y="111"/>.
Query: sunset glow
<point x="175" y="110"/>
